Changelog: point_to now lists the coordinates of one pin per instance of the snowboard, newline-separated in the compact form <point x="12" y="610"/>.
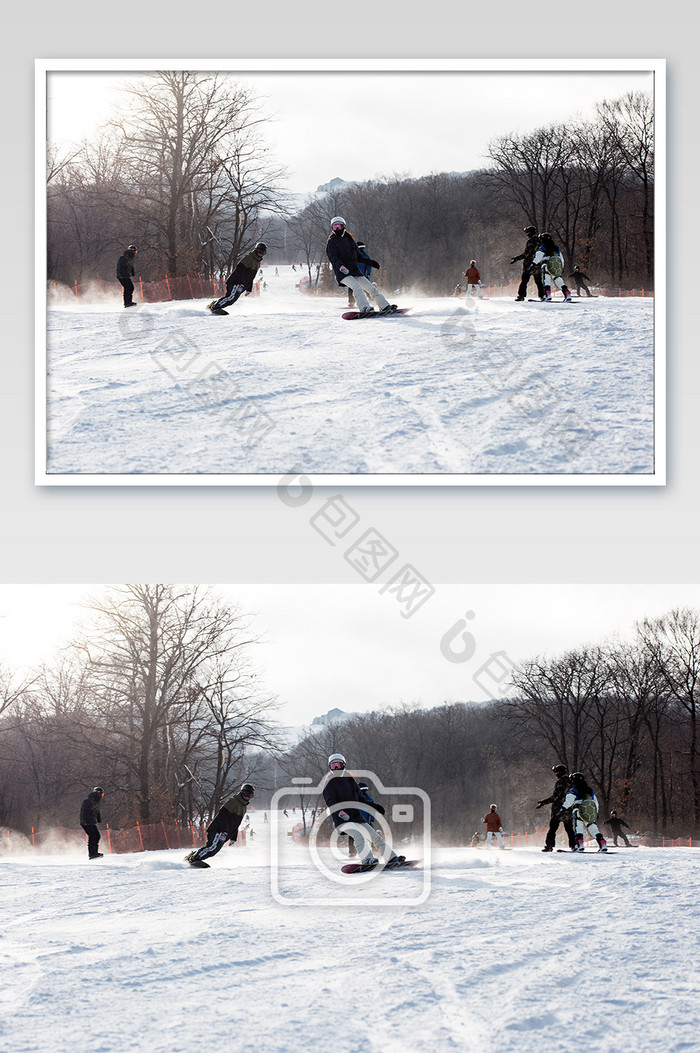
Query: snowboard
<point x="533" y="300"/>
<point x="198" y="863"/>
<point x="349" y="315"/>
<point x="358" y="868"/>
<point x="586" y="853"/>
<point x="215" y="310"/>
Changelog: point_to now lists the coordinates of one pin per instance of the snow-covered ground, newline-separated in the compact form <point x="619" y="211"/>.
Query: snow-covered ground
<point x="482" y="388"/>
<point x="511" y="951"/>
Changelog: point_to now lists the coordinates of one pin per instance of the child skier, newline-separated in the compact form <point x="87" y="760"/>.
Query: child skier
<point x="241" y="280"/>
<point x="342" y="795"/>
<point x="550" y="259"/>
<point x="584" y="807"/>
<point x="494" y="827"/>
<point x="224" y="826"/>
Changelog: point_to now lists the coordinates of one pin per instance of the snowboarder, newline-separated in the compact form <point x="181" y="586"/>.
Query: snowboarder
<point x="561" y="787"/>
<point x="476" y="840"/>
<point x="473" y="279"/>
<point x="550" y="259"/>
<point x="342" y="795"/>
<point x="582" y="803"/>
<point x="89" y="818"/>
<point x="341" y="250"/>
<point x="580" y="278"/>
<point x="241" y="280"/>
<point x="494" y="827"/>
<point x="528" y="270"/>
<point x="224" y="826"/>
<point x="125" y="272"/>
<point x="616" y="823"/>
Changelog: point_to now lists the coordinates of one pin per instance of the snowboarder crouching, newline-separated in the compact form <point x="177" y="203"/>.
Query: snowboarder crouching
<point x="494" y="827"/>
<point x="342" y="795"/>
<point x="584" y="807"/>
<point x="341" y="250"/>
<point x="241" y="280"/>
<point x="89" y="818"/>
<point x="224" y="826"/>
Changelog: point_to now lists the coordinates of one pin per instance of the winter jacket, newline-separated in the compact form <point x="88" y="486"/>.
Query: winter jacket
<point x="90" y="810"/>
<point x="245" y="271"/>
<point x="585" y="804"/>
<point x="228" y="818"/>
<point x="561" y="787"/>
<point x="343" y="790"/>
<point x="341" y="250"/>
<point x="125" y="265"/>
<point x="616" y="824"/>
<point x="369" y="816"/>
<point x="365" y="263"/>
<point x="579" y="274"/>
<point x="530" y="250"/>
<point x="493" y="822"/>
<point x="472" y="275"/>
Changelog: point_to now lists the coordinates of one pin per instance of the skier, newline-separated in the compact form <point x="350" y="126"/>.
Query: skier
<point x="561" y="787"/>
<point x="341" y="789"/>
<point x="473" y="279"/>
<point x="224" y="826"/>
<point x="125" y="272"/>
<point x="582" y="802"/>
<point x="341" y="250"/>
<point x="616" y="823"/>
<point x="494" y="827"/>
<point x="89" y="818"/>
<point x="476" y="840"/>
<point x="241" y="280"/>
<point x="528" y="270"/>
<point x="550" y="258"/>
<point x="580" y="278"/>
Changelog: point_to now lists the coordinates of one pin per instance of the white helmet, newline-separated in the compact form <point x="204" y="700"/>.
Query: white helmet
<point x="473" y="261"/>
<point x="338" y="225"/>
<point x="336" y="762"/>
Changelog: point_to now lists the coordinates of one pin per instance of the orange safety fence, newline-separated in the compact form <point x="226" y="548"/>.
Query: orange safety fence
<point x="494" y="290"/>
<point x="183" y="287"/>
<point x="144" y="837"/>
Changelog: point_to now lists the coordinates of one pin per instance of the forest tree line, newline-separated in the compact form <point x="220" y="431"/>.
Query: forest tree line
<point x="157" y="701"/>
<point x="183" y="171"/>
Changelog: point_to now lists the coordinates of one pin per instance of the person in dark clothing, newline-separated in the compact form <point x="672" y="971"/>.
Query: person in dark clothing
<point x="616" y="823"/>
<point x="560" y="791"/>
<point x="241" y="280"/>
<point x="341" y="250"/>
<point x="125" y="272"/>
<point x="529" y="270"/>
<point x="342" y="795"/>
<point x="224" y="826"/>
<point x="89" y="818"/>
<point x="580" y="278"/>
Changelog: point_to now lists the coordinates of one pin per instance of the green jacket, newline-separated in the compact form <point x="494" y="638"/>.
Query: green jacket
<point x="229" y="816"/>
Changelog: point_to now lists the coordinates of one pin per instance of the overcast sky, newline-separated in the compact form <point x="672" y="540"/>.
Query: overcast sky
<point x="348" y="646"/>
<point x="357" y="125"/>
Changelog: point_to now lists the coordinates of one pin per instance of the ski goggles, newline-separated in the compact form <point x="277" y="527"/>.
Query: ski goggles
<point x="338" y="227"/>
<point x="337" y="765"/>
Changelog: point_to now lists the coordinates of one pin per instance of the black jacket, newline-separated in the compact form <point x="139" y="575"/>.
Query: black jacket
<point x="533" y="243"/>
<point x="561" y="788"/>
<point x="90" y="810"/>
<point x="125" y="265"/>
<point x="341" y="250"/>
<point x="245" y="271"/>
<point x="580" y="274"/>
<point x="344" y="791"/>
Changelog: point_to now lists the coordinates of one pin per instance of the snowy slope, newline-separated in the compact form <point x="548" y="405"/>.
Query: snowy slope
<point x="512" y="951"/>
<point x="482" y="388"/>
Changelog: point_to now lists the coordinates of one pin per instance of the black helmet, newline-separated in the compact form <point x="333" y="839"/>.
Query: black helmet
<point x="559" y="769"/>
<point x="530" y="229"/>
<point x="132" y="248"/>
<point x="99" y="790"/>
<point x="260" y="248"/>
<point x="247" y="791"/>
<point x="613" y="813"/>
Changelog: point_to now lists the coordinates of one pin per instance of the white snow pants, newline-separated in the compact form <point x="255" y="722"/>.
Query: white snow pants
<point x="363" y="285"/>
<point x="582" y="829"/>
<point x="473" y="290"/>
<point x="366" y="838"/>
<point x="492" y="836"/>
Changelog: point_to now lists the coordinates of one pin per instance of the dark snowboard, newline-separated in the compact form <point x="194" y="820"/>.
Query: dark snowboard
<point x="586" y="852"/>
<point x="552" y="301"/>
<point x="358" y="868"/>
<point x="349" y="315"/>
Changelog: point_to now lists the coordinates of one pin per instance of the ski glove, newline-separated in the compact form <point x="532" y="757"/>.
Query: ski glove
<point x="344" y="270"/>
<point x="541" y="804"/>
<point x="344" y="816"/>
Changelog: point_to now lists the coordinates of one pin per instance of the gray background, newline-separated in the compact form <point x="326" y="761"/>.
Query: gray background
<point x="514" y="534"/>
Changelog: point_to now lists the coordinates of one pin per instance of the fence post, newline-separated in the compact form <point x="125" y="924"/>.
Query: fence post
<point x="76" y="288"/>
<point x="165" y="835"/>
<point x="138" y="827"/>
<point x="33" y="844"/>
<point x="141" y="288"/>
<point x="168" y="284"/>
<point x="194" y="842"/>
<point x="109" y="839"/>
